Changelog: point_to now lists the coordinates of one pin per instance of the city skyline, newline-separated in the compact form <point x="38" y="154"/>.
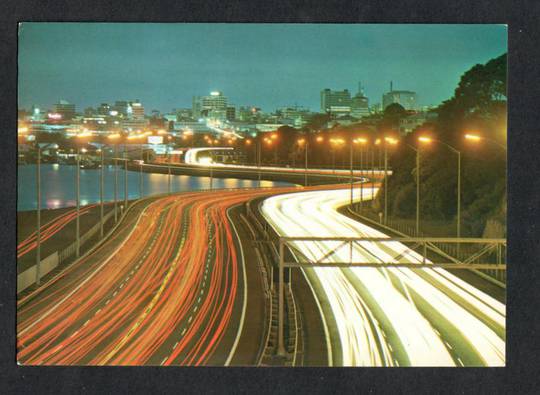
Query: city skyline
<point x="252" y="64"/>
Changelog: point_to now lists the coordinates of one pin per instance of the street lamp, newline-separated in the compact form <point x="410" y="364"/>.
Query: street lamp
<point x="417" y="150"/>
<point x="78" y="193"/>
<point x="335" y="142"/>
<point x="362" y="141"/>
<point x="477" y="138"/>
<point x="38" y="212"/>
<point x="303" y="142"/>
<point x="392" y="141"/>
<point x="101" y="188"/>
<point x="115" y="137"/>
<point x="427" y="140"/>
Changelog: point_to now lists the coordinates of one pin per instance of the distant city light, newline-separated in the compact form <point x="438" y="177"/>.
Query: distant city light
<point x="54" y="115"/>
<point x="205" y="160"/>
<point x="155" y="139"/>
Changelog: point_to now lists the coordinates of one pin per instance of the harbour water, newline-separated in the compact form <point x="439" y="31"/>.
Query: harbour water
<point x="58" y="187"/>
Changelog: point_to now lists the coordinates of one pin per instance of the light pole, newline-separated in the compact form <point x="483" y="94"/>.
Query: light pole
<point x="141" y="175"/>
<point x="385" y="183"/>
<point x="115" y="137"/>
<point x="78" y="192"/>
<point x="304" y="142"/>
<point x="38" y="212"/>
<point x="417" y="150"/>
<point x="335" y="142"/>
<point x="38" y="231"/>
<point x="476" y="138"/>
<point x="428" y="140"/>
<point x="373" y="169"/>
<point x="387" y="140"/>
<point x="125" y="177"/>
<point x="351" y="170"/>
<point x="115" y="183"/>
<point x="361" y="141"/>
<point x="101" y="188"/>
<point x="168" y="170"/>
<point x="259" y="158"/>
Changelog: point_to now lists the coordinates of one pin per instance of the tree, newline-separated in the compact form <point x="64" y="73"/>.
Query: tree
<point x="479" y="103"/>
<point x="392" y="115"/>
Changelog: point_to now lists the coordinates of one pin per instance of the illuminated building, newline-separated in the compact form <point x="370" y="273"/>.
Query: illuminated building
<point x="407" y="99"/>
<point x="65" y="109"/>
<point x="335" y="101"/>
<point x="212" y="106"/>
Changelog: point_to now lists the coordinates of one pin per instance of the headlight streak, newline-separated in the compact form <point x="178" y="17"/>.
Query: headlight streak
<point x="475" y="322"/>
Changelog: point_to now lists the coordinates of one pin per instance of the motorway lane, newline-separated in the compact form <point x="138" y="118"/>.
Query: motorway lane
<point x="49" y="229"/>
<point x="387" y="317"/>
<point x="168" y="291"/>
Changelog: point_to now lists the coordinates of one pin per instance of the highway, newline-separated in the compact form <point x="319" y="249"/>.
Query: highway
<point x="168" y="288"/>
<point x="49" y="229"/>
<point x="380" y="316"/>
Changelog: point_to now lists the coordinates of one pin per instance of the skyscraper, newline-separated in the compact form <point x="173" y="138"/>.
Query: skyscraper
<point x="212" y="106"/>
<point x="335" y="101"/>
<point x="65" y="109"/>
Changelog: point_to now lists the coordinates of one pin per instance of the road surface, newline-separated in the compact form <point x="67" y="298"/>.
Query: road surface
<point x="387" y="317"/>
<point x="169" y="288"/>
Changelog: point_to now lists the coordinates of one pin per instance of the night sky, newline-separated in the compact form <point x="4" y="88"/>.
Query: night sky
<point x="270" y="66"/>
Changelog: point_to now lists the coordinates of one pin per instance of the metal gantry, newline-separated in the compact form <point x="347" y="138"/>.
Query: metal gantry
<point x="422" y="244"/>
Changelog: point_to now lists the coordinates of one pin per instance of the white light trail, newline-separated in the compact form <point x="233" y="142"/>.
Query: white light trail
<point x="385" y="317"/>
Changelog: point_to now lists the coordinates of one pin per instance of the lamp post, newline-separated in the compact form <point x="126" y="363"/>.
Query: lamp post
<point x="428" y="140"/>
<point x="78" y="193"/>
<point x="477" y="138"/>
<point x="38" y="231"/>
<point x="125" y="177"/>
<point x="259" y="159"/>
<point x="115" y="183"/>
<point x="168" y="170"/>
<point x="362" y="141"/>
<point x="387" y="140"/>
<point x="417" y="150"/>
<point x="38" y="212"/>
<point x="101" y="190"/>
<point x="373" y="168"/>
<point x="304" y="142"/>
<point x="335" y="142"/>
<point x="141" y="175"/>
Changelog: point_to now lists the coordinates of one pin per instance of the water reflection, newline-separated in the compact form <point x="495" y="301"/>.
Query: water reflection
<point x="58" y="185"/>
